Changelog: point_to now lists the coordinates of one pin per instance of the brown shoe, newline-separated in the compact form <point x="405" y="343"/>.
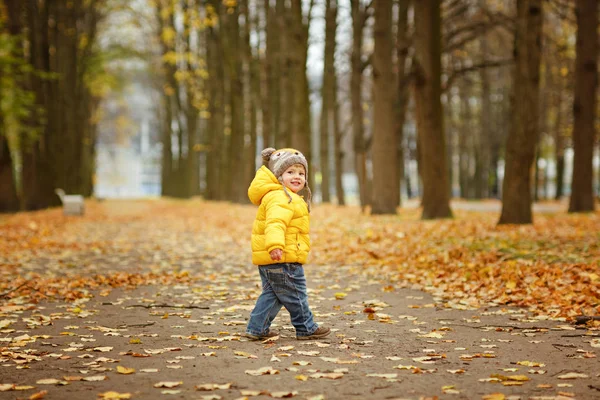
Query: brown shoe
<point x="321" y="332"/>
<point x="262" y="337"/>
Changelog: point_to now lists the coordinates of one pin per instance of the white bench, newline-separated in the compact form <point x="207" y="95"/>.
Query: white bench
<point x="72" y="203"/>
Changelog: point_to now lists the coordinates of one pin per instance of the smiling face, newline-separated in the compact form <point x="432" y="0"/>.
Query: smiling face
<point x="294" y="178"/>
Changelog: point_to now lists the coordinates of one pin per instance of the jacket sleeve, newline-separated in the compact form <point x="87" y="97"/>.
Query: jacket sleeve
<point x="279" y="213"/>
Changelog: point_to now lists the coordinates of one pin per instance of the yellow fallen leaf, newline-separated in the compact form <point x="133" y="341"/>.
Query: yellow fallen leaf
<point x="51" y="381"/>
<point x="38" y="395"/>
<point x="5" y="387"/>
<point x="566" y="394"/>
<point x="521" y="378"/>
<point x="24" y="387"/>
<point x="511" y="383"/>
<point x="262" y="371"/>
<point x="302" y="378"/>
<point x="340" y="295"/>
<point x="114" y="395"/>
<point x="125" y="370"/>
<point x="246" y="392"/>
<point x="213" y="386"/>
<point x="494" y="396"/>
<point x="94" y="378"/>
<point x="572" y="375"/>
<point x="73" y="378"/>
<point x="135" y="341"/>
<point x="531" y="364"/>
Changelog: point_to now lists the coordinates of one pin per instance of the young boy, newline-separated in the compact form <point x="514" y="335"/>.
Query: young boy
<point x="280" y="244"/>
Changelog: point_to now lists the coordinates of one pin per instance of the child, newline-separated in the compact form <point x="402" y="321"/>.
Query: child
<point x="280" y="244"/>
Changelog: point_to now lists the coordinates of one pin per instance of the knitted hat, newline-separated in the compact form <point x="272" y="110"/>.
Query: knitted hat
<point x="280" y="160"/>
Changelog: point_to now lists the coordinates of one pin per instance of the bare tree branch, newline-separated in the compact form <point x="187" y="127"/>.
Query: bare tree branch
<point x="475" y="67"/>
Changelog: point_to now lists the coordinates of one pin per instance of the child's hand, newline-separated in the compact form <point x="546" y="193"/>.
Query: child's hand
<point x="276" y="254"/>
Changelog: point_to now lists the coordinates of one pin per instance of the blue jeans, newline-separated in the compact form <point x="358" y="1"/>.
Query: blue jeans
<point x="282" y="285"/>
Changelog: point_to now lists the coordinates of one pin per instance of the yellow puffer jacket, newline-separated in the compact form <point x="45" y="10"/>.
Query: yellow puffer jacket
<point x="279" y="224"/>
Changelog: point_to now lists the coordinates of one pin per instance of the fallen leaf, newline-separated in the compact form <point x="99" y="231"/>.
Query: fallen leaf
<point x="531" y="364"/>
<point x="246" y="392"/>
<point x="103" y="349"/>
<point x="95" y="378"/>
<point x="5" y="387"/>
<point x="38" y="395"/>
<point x="572" y="375"/>
<point x="262" y="371"/>
<point x="167" y="384"/>
<point x="282" y="395"/>
<point x="213" y="386"/>
<point x="386" y="376"/>
<point x="243" y="354"/>
<point x="114" y="395"/>
<point x="494" y="396"/>
<point x="51" y="381"/>
<point x="125" y="370"/>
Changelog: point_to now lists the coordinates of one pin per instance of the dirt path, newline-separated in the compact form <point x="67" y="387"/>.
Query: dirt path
<point x="388" y="342"/>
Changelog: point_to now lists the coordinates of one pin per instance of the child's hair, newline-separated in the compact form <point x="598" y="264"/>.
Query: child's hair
<point x="280" y="160"/>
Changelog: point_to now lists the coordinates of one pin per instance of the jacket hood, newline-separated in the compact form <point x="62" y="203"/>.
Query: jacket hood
<point x="263" y="183"/>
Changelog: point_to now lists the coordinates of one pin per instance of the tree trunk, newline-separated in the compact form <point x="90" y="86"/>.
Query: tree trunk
<point x="520" y="146"/>
<point x="253" y="89"/>
<point x="327" y="106"/>
<point x="485" y="132"/>
<point x="384" y="152"/>
<point x="402" y="47"/>
<point x="430" y="125"/>
<point x="9" y="200"/>
<point x="215" y="129"/>
<point x="299" y="104"/>
<point x="338" y="151"/>
<point x="584" y="106"/>
<point x="233" y="59"/>
<point x="286" y="80"/>
<point x="464" y="135"/>
<point x="359" y="17"/>
<point x="8" y="192"/>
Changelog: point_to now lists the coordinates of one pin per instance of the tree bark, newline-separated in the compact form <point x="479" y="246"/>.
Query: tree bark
<point x="520" y="146"/>
<point x="215" y="128"/>
<point x="430" y="124"/>
<point x="385" y="149"/>
<point x="359" y="17"/>
<point x="402" y="47"/>
<point x="252" y="79"/>
<point x="584" y="106"/>
<point x="234" y="60"/>
<point x="300" y="136"/>
<point x="327" y="99"/>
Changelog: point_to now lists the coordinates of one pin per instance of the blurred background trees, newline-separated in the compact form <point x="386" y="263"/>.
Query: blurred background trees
<point x="388" y="100"/>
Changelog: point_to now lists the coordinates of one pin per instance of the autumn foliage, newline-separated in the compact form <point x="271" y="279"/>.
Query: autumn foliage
<point x="551" y="267"/>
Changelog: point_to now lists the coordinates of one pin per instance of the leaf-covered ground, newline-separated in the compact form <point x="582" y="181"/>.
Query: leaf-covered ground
<point x="151" y="297"/>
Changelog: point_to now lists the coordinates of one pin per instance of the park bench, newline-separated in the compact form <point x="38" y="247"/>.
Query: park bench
<point x="72" y="203"/>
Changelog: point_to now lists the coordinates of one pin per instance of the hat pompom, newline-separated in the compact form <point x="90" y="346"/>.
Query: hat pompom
<point x="266" y="154"/>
